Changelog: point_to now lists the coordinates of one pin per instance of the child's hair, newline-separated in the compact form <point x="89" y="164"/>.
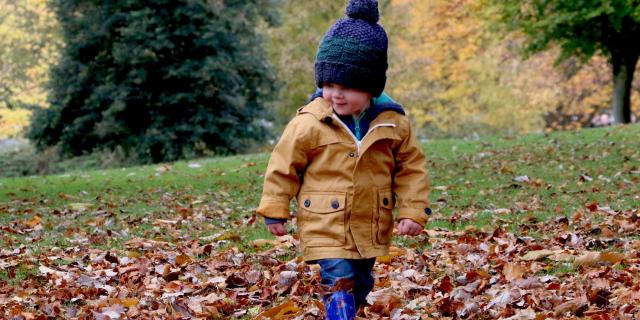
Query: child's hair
<point x="353" y="52"/>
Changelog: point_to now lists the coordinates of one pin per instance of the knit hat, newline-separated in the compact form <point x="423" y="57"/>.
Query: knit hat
<point x="353" y="52"/>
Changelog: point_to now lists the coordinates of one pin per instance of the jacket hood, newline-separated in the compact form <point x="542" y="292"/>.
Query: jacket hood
<point x="322" y="109"/>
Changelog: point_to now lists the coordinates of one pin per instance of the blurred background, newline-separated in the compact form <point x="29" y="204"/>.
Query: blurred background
<point x="131" y="82"/>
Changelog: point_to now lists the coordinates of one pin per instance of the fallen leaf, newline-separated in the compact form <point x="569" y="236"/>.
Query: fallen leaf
<point x="31" y="223"/>
<point x="263" y="242"/>
<point x="571" y="305"/>
<point x="521" y="179"/>
<point x="591" y="257"/>
<point x="129" y="302"/>
<point x="393" y="252"/>
<point x="385" y="300"/>
<point x="537" y="255"/>
<point x="612" y="257"/>
<point x="180" y="308"/>
<point x="286" y="310"/>
<point x="527" y="314"/>
<point x="587" y="258"/>
<point x="512" y="271"/>
<point x="79" y="206"/>
<point x="182" y="260"/>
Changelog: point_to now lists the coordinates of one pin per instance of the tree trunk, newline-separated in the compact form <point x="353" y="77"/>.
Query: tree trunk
<point x="624" y="66"/>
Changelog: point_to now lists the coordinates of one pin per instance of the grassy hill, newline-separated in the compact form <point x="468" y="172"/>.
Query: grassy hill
<point x="534" y="215"/>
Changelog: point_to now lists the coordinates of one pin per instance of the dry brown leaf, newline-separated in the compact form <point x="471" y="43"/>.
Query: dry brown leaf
<point x="129" y="302"/>
<point x="537" y="255"/>
<point x="393" y="252"/>
<point x="396" y="252"/>
<point x="527" y="314"/>
<point x="591" y="258"/>
<point x="384" y="301"/>
<point x="263" y="242"/>
<point x="180" y="308"/>
<point x="607" y="232"/>
<point x="182" y="260"/>
<point x="284" y="311"/>
<point x="627" y="226"/>
<point x="31" y="223"/>
<point x="512" y="271"/>
<point x="571" y="306"/>
<point x="587" y="259"/>
<point x="577" y="216"/>
<point x="80" y="206"/>
<point x="164" y="221"/>
<point x="612" y="257"/>
<point x="562" y="257"/>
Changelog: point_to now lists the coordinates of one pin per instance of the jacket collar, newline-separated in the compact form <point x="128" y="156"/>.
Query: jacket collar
<point x="321" y="109"/>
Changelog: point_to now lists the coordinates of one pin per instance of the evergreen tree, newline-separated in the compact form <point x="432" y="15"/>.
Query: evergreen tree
<point x="163" y="79"/>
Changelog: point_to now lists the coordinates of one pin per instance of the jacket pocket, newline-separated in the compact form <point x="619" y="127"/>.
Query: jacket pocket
<point x="321" y="218"/>
<point x="383" y="221"/>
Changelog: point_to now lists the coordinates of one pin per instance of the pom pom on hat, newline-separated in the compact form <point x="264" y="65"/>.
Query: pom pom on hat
<point x="363" y="9"/>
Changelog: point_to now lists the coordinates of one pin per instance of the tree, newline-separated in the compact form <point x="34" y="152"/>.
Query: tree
<point x="456" y="77"/>
<point x="292" y="49"/>
<point x="583" y="28"/>
<point x="29" y="42"/>
<point x="161" y="79"/>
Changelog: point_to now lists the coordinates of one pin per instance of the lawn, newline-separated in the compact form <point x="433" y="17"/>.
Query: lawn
<point x="535" y="227"/>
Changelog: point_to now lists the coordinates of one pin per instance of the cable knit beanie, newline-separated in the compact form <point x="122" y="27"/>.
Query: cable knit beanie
<point x="353" y="52"/>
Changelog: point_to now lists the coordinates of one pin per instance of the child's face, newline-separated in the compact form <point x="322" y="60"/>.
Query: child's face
<point x="345" y="100"/>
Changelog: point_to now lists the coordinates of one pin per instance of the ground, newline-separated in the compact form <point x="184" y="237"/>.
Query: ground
<point x="541" y="226"/>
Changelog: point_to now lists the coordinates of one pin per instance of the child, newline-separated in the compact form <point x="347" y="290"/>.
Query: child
<point x="346" y="156"/>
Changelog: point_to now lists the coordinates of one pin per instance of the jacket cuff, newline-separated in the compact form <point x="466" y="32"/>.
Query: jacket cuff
<point x="275" y="209"/>
<point x="272" y="221"/>
<point x="419" y="215"/>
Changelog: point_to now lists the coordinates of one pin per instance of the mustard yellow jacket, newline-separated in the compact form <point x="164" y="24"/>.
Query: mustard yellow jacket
<point x="345" y="189"/>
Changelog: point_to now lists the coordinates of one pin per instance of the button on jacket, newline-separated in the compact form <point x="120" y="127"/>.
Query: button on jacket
<point x="346" y="189"/>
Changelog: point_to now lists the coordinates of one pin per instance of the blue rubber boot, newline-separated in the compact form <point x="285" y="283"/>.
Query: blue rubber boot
<point x="340" y="305"/>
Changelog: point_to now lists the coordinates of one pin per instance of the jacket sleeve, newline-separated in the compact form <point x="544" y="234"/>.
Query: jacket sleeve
<point x="411" y="184"/>
<point x="283" y="176"/>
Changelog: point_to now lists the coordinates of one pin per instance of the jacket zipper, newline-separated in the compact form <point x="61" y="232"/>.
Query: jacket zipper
<point x="359" y="142"/>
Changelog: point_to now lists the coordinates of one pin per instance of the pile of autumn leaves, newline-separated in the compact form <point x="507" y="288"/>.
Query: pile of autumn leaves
<point x="577" y="268"/>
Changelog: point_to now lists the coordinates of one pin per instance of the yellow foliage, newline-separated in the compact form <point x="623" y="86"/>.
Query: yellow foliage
<point x="456" y="77"/>
<point x="28" y="46"/>
<point x="467" y="80"/>
<point x="12" y="122"/>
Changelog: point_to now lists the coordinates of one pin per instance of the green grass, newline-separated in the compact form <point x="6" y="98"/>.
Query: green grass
<point x="559" y="269"/>
<point x="18" y="274"/>
<point x="472" y="186"/>
<point x="478" y="176"/>
<point x="131" y="199"/>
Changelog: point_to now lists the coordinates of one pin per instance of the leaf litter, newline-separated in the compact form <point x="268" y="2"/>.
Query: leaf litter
<point x="465" y="274"/>
<point x="583" y="264"/>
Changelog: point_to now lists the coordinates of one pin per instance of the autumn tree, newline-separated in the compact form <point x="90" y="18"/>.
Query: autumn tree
<point x="292" y="47"/>
<point x="583" y="28"/>
<point x="29" y="42"/>
<point x="163" y="80"/>
<point x="456" y="77"/>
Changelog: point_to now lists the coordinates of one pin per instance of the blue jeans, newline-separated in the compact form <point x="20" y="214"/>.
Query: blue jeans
<point x="331" y="270"/>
